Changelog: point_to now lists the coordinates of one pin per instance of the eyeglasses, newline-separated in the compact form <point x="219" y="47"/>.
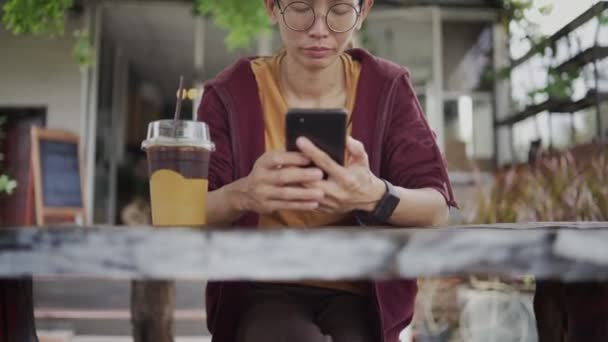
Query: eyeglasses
<point x="300" y="16"/>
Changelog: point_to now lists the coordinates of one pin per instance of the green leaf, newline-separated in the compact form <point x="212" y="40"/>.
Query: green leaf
<point x="604" y="18"/>
<point x="7" y="185"/>
<point x="36" y="16"/>
<point x="244" y="20"/>
<point x="546" y="9"/>
<point x="504" y="73"/>
<point x="520" y="4"/>
<point x="83" y="51"/>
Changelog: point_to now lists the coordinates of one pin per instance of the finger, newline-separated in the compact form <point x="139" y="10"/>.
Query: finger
<point x="292" y="193"/>
<point x="310" y="185"/>
<point x="282" y="159"/>
<point x="356" y="149"/>
<point x="292" y="175"/>
<point x="328" y="202"/>
<point x="330" y="189"/>
<point x="275" y="205"/>
<point x="319" y="184"/>
<point x="325" y="209"/>
<point x="320" y="158"/>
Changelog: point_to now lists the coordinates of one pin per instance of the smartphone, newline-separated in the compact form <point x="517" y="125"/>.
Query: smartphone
<point x="326" y="128"/>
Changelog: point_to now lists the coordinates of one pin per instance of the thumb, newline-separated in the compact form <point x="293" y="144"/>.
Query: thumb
<point x="356" y="149"/>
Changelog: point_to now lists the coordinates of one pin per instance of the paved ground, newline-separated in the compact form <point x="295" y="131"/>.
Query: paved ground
<point x="101" y="307"/>
<point x="63" y="336"/>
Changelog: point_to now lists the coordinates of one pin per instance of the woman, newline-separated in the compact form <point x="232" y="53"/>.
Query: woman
<point x="394" y="173"/>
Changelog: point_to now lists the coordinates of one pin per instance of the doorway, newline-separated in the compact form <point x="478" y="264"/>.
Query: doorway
<point x="17" y="209"/>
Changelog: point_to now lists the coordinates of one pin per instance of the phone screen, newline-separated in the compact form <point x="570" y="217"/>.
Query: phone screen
<point x="326" y="128"/>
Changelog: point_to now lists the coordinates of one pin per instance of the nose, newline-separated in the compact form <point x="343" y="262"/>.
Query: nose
<point x="319" y="29"/>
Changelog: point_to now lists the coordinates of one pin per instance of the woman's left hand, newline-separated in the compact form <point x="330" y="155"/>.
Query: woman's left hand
<point x="350" y="187"/>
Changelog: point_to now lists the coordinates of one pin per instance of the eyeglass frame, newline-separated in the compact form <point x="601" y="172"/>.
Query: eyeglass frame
<point x="314" y="20"/>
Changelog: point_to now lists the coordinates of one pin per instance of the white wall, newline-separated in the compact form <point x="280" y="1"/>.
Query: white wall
<point x="483" y="128"/>
<point x="42" y="72"/>
<point x="404" y="37"/>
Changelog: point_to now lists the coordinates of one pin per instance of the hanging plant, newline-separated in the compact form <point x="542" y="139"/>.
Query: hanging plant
<point x="83" y="52"/>
<point x="36" y="16"/>
<point x="243" y="19"/>
<point x="47" y="17"/>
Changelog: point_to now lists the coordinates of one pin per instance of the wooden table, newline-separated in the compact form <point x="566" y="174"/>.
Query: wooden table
<point x="566" y="251"/>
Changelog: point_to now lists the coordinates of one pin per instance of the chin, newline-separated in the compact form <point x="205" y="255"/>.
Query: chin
<point x="318" y="63"/>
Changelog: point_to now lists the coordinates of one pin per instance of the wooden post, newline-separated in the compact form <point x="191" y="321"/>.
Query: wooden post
<point x="569" y="312"/>
<point x="17" y="311"/>
<point x="549" y="312"/>
<point x="152" y="306"/>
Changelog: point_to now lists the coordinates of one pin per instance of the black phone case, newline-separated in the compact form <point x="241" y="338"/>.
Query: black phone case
<point x="326" y="128"/>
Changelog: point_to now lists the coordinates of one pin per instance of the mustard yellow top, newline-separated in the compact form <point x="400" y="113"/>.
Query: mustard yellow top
<point x="274" y="106"/>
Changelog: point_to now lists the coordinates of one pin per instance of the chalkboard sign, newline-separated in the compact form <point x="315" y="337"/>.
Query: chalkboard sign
<point x="60" y="169"/>
<point x="57" y="169"/>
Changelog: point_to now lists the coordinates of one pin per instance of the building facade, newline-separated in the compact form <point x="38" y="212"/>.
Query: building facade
<point x="142" y="47"/>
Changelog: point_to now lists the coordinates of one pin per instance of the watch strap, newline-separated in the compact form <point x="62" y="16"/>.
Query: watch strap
<point x="387" y="204"/>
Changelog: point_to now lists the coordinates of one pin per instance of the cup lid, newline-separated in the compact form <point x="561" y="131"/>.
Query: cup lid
<point x="178" y="133"/>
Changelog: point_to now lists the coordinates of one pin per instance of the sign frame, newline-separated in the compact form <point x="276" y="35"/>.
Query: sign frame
<point x="49" y="214"/>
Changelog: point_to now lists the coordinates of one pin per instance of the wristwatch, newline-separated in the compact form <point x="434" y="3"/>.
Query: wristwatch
<point x="387" y="204"/>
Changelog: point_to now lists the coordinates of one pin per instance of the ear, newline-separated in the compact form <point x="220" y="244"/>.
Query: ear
<point x="367" y="7"/>
<point x="271" y="10"/>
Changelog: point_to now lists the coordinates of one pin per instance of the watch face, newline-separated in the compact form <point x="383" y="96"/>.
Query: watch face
<point x="391" y="204"/>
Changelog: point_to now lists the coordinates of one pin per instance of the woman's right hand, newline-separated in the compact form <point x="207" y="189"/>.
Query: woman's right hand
<point x="275" y="183"/>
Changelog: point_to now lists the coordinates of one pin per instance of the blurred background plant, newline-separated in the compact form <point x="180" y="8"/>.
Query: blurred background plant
<point x="555" y="188"/>
<point x="564" y="186"/>
<point x="7" y="185"/>
<point x="36" y="16"/>
<point x="47" y="18"/>
<point x="243" y="19"/>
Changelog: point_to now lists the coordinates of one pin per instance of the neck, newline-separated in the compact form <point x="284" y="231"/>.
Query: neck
<point x="311" y="85"/>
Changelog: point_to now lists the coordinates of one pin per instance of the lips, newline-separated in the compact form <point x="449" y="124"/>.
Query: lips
<point x="317" y="51"/>
<point x="317" y="48"/>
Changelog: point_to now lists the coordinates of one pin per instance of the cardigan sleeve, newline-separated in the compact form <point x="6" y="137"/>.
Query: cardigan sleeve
<point x="412" y="158"/>
<point x="212" y="111"/>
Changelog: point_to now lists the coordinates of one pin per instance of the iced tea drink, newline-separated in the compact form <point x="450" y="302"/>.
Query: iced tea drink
<point x="178" y="161"/>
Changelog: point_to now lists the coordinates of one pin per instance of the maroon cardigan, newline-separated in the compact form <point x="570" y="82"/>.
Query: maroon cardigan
<point x="387" y="119"/>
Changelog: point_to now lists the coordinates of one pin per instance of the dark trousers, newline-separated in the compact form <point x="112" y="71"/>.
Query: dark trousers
<point x="285" y="313"/>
